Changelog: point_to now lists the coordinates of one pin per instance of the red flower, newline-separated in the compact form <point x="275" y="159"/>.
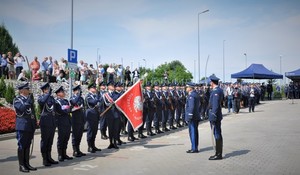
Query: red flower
<point x="7" y="120"/>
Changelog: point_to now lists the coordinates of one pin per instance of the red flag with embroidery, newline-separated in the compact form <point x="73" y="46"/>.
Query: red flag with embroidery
<point x="131" y="105"/>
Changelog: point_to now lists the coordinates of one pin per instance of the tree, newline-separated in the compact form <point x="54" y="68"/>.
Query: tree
<point x="175" y="69"/>
<point x="6" y="41"/>
<point x="2" y="87"/>
<point x="10" y="93"/>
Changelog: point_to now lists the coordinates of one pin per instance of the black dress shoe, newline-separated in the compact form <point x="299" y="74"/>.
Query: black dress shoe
<point x="104" y="137"/>
<point x="81" y="153"/>
<point x="165" y="129"/>
<point x="173" y="127"/>
<point x="192" y="151"/>
<point x="141" y="136"/>
<point x="215" y="157"/>
<point x="91" y="150"/>
<point x="115" y="146"/>
<point x="111" y="146"/>
<point x="130" y="139"/>
<point x="150" y="134"/>
<point x="158" y="131"/>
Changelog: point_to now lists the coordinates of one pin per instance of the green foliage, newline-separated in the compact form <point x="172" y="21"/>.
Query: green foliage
<point x="2" y="87"/>
<point x="6" y="41"/>
<point x="175" y="69"/>
<point x="277" y="95"/>
<point x="10" y="93"/>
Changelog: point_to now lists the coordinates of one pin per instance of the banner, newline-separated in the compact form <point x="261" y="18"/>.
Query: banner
<point x="131" y="105"/>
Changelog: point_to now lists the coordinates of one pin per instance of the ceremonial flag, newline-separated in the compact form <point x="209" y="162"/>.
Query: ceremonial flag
<point x="131" y="105"/>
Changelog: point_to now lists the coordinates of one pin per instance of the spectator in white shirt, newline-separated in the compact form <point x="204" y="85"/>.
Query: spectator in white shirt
<point x="229" y="91"/>
<point x="111" y="72"/>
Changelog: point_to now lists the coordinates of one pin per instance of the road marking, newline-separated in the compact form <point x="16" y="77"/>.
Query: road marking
<point x="137" y="148"/>
<point x="85" y="167"/>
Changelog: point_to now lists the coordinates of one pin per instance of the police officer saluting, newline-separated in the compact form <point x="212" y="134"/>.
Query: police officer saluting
<point x="77" y="103"/>
<point x="47" y="123"/>
<point x="215" y="115"/>
<point x="192" y="116"/>
<point x="63" y="124"/>
<point x="25" y="126"/>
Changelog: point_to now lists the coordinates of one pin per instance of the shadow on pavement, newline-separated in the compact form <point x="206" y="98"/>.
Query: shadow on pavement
<point x="206" y="149"/>
<point x="236" y="153"/>
<point x="12" y="158"/>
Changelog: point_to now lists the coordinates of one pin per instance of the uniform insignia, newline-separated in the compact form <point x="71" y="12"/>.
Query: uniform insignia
<point x="216" y="94"/>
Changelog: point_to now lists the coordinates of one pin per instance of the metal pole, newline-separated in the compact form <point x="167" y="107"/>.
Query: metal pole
<point x="280" y="71"/>
<point x="195" y="71"/>
<point x="206" y="70"/>
<point x="70" y="70"/>
<point x="199" y="43"/>
<point x="223" y="61"/>
<point x="245" y="59"/>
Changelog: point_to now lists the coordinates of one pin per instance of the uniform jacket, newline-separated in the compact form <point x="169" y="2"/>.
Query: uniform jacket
<point x="78" y="115"/>
<point x="192" y="107"/>
<point x="25" y="120"/>
<point x="62" y="107"/>
<point x="93" y="103"/>
<point x="215" y="100"/>
<point x="47" y="106"/>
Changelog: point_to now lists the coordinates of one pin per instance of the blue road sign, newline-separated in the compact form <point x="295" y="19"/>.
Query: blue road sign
<point x="72" y="58"/>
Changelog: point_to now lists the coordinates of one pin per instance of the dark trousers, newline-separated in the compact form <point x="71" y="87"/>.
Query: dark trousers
<point x="165" y="117"/>
<point x="130" y="130"/>
<point x="269" y="95"/>
<point x="194" y="134"/>
<point x="113" y="124"/>
<point x="171" y="117"/>
<point x="18" y="71"/>
<point x="217" y="130"/>
<point x="47" y="135"/>
<point x="64" y="132"/>
<point x="251" y="104"/>
<point x="103" y="124"/>
<point x="178" y="113"/>
<point x="145" y="113"/>
<point x="24" y="139"/>
<point x="157" y="118"/>
<point x="237" y="105"/>
<point x="149" y="120"/>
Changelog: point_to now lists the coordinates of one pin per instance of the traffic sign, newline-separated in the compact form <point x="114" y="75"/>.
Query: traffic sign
<point x="72" y="58"/>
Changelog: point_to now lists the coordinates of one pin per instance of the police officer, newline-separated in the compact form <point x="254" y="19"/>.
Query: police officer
<point x="47" y="123"/>
<point x="166" y="106"/>
<point x="113" y="122"/>
<point x="78" y="120"/>
<point x="252" y="93"/>
<point x="192" y="116"/>
<point x="62" y="109"/>
<point x="118" y="114"/>
<point x="180" y="105"/>
<point x="215" y="115"/>
<point x="173" y="105"/>
<point x="158" y="110"/>
<point x="93" y="102"/>
<point x="25" y="126"/>
<point x="103" y="123"/>
<point x="149" y="108"/>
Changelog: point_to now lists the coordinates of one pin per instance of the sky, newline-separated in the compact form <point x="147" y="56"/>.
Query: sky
<point x="152" y="32"/>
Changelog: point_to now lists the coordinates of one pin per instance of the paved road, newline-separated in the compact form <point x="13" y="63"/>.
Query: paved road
<point x="264" y="142"/>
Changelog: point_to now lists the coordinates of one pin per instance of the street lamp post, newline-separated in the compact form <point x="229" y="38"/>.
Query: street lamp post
<point x="70" y="72"/>
<point x="223" y="61"/>
<point x="206" y="70"/>
<point x="145" y="63"/>
<point x="98" y="56"/>
<point x="245" y="59"/>
<point x="199" y="41"/>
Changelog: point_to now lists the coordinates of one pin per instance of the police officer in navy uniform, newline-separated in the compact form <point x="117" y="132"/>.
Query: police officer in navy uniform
<point x="165" y="107"/>
<point x="149" y="108"/>
<point x="93" y="102"/>
<point x="47" y="123"/>
<point x="173" y="105"/>
<point x="215" y="115"/>
<point x="158" y="108"/>
<point x="103" y="123"/>
<point x="180" y="105"/>
<point x="192" y="116"/>
<point x="62" y="109"/>
<point x="78" y="120"/>
<point x="118" y="114"/>
<point x="25" y="126"/>
<point x="111" y="115"/>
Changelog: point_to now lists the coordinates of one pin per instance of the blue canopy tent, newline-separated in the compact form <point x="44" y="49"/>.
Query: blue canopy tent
<point x="294" y="75"/>
<point x="256" y="71"/>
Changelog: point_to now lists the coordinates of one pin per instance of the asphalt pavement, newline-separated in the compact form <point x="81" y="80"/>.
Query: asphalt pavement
<point x="264" y="142"/>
